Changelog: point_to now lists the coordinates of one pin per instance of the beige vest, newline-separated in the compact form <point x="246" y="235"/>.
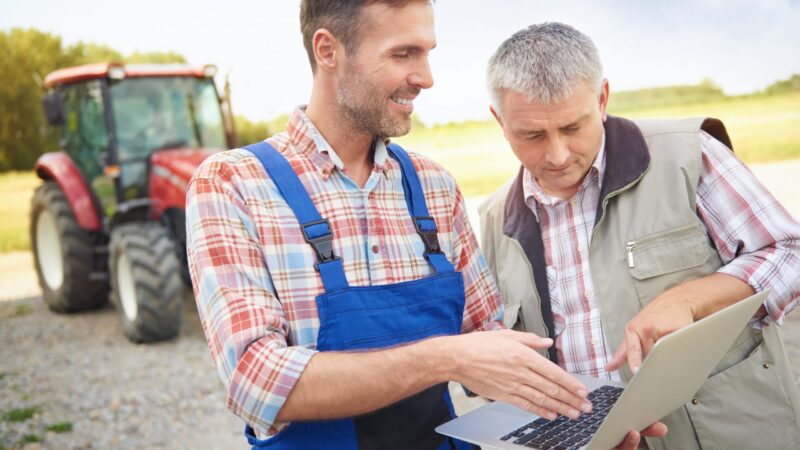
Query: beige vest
<point x="647" y="239"/>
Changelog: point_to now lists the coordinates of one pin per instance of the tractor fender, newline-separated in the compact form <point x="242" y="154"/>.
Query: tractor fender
<point x="59" y="167"/>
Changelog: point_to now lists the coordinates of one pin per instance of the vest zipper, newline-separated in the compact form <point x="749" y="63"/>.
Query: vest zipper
<point x="629" y="247"/>
<point x="608" y="197"/>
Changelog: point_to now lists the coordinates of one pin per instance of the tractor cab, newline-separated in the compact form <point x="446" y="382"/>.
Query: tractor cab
<point x="109" y="217"/>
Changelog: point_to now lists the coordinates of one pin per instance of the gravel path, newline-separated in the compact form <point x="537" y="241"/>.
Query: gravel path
<point x="79" y="372"/>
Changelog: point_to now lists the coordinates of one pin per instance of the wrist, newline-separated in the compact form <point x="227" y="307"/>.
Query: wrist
<point x="442" y="357"/>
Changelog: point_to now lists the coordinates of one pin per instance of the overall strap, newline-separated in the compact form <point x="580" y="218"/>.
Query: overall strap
<point x="316" y="230"/>
<point x="424" y="223"/>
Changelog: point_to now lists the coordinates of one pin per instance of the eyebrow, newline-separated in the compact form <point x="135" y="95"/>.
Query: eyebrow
<point x="576" y="122"/>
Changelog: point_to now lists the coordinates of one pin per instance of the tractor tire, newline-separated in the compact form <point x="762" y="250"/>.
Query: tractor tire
<point x="146" y="285"/>
<point x="71" y="273"/>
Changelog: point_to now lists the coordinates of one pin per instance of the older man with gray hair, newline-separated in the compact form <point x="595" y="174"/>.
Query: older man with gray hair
<point x="615" y="233"/>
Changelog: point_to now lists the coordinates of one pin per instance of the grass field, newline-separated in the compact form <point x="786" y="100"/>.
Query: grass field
<point x="16" y="190"/>
<point x="763" y="128"/>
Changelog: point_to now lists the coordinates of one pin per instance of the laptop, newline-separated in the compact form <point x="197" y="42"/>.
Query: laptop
<point x="671" y="374"/>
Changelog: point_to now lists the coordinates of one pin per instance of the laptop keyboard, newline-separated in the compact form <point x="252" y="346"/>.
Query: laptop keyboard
<point x="564" y="433"/>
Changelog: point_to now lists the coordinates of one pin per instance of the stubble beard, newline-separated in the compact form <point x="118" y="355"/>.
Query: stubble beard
<point x="365" y="109"/>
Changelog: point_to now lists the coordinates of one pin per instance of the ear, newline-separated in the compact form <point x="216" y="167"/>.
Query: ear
<point x="603" y="100"/>
<point x="325" y="47"/>
<point x="499" y="120"/>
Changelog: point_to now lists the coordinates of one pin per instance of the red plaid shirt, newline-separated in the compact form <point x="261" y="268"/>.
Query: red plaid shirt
<point x="253" y="273"/>
<point x="757" y="240"/>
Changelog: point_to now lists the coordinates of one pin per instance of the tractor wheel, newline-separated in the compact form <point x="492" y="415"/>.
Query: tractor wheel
<point x="146" y="284"/>
<point x="71" y="274"/>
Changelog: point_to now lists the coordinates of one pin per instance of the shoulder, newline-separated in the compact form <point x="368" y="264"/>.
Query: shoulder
<point x="494" y="205"/>
<point x="238" y="165"/>
<point x="431" y="174"/>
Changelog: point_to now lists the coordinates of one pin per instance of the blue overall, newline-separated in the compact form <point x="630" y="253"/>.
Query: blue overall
<point x="371" y="317"/>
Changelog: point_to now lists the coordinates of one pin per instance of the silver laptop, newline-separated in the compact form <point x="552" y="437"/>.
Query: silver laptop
<point x="671" y="374"/>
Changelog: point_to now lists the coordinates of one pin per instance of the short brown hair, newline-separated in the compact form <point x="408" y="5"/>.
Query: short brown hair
<point x="341" y="17"/>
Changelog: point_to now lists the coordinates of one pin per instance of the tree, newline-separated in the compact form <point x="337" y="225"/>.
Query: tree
<point x="28" y="56"/>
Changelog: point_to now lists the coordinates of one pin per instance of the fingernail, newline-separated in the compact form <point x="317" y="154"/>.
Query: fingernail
<point x="635" y="369"/>
<point x="551" y="416"/>
<point x="547" y="341"/>
<point x="573" y="413"/>
<point x="586" y="407"/>
<point x="582" y="392"/>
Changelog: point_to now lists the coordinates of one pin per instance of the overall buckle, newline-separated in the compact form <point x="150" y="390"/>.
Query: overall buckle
<point x="321" y="242"/>
<point x="426" y="228"/>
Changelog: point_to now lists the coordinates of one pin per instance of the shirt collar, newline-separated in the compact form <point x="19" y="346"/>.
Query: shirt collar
<point x="327" y="152"/>
<point x="535" y="195"/>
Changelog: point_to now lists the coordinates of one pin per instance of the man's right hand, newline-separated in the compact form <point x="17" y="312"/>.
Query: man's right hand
<point x="504" y="365"/>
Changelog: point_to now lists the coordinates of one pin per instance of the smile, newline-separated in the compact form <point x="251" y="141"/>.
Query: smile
<point x="402" y="101"/>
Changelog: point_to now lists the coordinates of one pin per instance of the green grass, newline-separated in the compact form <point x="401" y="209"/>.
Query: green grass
<point x="16" y="190"/>
<point x="31" y="438"/>
<point x="60" y="427"/>
<point x="762" y="128"/>
<point x="20" y="414"/>
<point x="3" y="375"/>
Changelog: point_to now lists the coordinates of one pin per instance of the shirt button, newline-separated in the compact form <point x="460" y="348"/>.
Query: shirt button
<point x="375" y="249"/>
<point x="326" y="172"/>
<point x="595" y="341"/>
<point x="587" y="294"/>
<point x="581" y="249"/>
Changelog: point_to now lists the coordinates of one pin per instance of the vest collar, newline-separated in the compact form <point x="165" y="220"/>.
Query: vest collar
<point x="627" y="158"/>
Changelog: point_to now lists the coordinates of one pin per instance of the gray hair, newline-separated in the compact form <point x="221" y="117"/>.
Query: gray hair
<point x="544" y="62"/>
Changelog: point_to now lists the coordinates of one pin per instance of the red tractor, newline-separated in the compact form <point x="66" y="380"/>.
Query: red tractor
<point x="109" y="217"/>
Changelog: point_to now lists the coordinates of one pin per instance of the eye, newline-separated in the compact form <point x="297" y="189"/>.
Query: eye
<point x="401" y="55"/>
<point x="570" y="130"/>
<point x="533" y="137"/>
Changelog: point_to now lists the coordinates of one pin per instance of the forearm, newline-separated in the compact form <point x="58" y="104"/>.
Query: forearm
<point x="338" y="384"/>
<point x="710" y="294"/>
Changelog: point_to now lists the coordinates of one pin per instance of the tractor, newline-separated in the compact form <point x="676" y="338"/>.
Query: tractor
<point x="108" y="221"/>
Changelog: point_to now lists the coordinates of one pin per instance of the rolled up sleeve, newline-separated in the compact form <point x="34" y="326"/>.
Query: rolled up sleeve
<point x="242" y="318"/>
<point x="756" y="237"/>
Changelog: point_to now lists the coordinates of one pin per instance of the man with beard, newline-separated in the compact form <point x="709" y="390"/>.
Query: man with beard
<point x="338" y="281"/>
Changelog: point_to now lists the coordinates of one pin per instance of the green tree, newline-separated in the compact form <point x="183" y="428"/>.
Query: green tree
<point x="28" y="55"/>
<point x="249" y="132"/>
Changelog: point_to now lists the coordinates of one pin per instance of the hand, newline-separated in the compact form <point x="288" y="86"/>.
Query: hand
<point x="631" y="441"/>
<point x="504" y="365"/>
<point x="665" y="314"/>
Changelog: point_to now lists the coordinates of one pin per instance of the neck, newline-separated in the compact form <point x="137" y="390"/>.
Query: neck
<point x="353" y="146"/>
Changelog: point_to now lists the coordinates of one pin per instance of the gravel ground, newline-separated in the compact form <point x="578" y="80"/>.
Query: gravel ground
<point x="78" y="372"/>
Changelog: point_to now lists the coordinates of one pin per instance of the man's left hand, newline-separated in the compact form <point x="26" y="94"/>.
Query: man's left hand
<point x="668" y="312"/>
<point x="631" y="441"/>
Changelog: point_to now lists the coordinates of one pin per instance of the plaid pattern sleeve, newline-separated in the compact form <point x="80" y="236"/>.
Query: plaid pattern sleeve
<point x="243" y="321"/>
<point x="253" y="273"/>
<point x="757" y="239"/>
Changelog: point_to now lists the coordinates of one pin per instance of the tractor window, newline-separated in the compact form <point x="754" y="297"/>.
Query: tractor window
<point x="165" y="112"/>
<point x="86" y="139"/>
<point x="160" y="113"/>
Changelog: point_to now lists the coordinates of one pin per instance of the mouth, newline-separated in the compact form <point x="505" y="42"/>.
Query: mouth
<point x="403" y="103"/>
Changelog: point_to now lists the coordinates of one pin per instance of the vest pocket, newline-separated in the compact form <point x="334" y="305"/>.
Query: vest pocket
<point x="662" y="260"/>
<point x="746" y="404"/>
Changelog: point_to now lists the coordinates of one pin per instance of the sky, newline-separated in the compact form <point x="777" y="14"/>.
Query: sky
<point x="743" y="45"/>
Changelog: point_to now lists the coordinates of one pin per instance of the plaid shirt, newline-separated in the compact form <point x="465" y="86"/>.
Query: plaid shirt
<point x="253" y="273"/>
<point x="756" y="238"/>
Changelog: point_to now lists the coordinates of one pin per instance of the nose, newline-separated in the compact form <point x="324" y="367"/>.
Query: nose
<point x="557" y="152"/>
<point x="422" y="77"/>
